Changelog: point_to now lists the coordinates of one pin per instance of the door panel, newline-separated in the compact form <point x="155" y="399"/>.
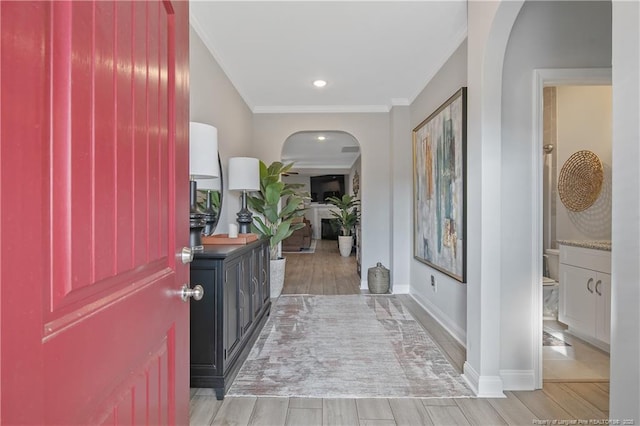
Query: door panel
<point x="246" y="296"/>
<point x="603" y="308"/>
<point x="578" y="303"/>
<point x="232" y="309"/>
<point x="255" y="278"/>
<point x="94" y="119"/>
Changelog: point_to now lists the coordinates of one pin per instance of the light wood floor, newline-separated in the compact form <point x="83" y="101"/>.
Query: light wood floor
<point x="329" y="275"/>
<point x="580" y="362"/>
<point x="323" y="272"/>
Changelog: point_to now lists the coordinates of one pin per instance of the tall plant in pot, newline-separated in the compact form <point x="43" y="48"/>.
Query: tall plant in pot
<point x="346" y="218"/>
<point x="278" y="204"/>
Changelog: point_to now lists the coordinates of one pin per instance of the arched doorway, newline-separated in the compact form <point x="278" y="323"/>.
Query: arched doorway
<point x="326" y="164"/>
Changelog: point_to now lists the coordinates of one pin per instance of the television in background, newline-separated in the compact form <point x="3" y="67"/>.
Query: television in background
<point x="326" y="186"/>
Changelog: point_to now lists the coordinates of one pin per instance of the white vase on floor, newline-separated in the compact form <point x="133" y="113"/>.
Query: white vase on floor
<point x="345" y="243"/>
<point x="277" y="276"/>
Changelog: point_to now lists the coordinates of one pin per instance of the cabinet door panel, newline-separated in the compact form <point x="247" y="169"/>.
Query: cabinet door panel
<point x="603" y="307"/>
<point x="231" y="310"/>
<point x="255" y="277"/>
<point x="577" y="303"/>
<point x="246" y="313"/>
<point x="265" y="285"/>
<point x="203" y="319"/>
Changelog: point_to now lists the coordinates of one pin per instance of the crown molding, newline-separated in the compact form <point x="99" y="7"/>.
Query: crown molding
<point x="320" y="109"/>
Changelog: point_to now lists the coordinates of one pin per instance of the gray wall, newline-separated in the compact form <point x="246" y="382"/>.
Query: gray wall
<point x="584" y="122"/>
<point x="401" y="229"/>
<point x="545" y="35"/>
<point x="215" y="101"/>
<point x="372" y="133"/>
<point x="449" y="303"/>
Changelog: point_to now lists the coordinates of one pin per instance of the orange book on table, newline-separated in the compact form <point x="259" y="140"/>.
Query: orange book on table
<point x="224" y="239"/>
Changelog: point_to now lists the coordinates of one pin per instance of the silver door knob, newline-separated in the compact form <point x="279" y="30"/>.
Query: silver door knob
<point x="196" y="292"/>
<point x="186" y="255"/>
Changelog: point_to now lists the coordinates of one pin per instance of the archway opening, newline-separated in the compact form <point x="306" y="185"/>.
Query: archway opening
<point x="327" y="163"/>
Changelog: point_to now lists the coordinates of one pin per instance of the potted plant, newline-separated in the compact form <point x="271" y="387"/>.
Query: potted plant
<point x="278" y="204"/>
<point x="345" y="218"/>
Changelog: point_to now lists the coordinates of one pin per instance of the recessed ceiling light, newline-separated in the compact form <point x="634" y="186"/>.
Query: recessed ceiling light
<point x="321" y="138"/>
<point x="319" y="83"/>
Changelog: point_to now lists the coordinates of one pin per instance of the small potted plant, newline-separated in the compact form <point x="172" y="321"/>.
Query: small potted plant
<point x="278" y="204"/>
<point x="346" y="219"/>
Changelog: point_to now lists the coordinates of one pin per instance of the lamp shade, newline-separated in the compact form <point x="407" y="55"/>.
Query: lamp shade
<point x="203" y="151"/>
<point x="212" y="184"/>
<point x="244" y="174"/>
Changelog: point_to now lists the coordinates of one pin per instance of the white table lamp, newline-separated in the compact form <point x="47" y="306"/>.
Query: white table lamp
<point x="203" y="164"/>
<point x="244" y="175"/>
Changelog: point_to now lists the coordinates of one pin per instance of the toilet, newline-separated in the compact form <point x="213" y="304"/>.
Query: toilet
<point x="550" y="285"/>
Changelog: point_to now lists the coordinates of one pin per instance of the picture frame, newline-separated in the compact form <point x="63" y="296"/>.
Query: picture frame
<point x="439" y="188"/>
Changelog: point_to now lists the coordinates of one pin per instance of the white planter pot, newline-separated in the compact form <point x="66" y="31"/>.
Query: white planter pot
<point x="345" y="244"/>
<point x="277" y="277"/>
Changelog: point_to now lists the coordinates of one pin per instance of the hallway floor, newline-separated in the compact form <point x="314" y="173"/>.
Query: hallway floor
<point x="325" y="272"/>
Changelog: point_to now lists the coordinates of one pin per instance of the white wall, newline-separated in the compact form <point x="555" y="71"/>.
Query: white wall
<point x="372" y="132"/>
<point x="215" y="101"/>
<point x="401" y="231"/>
<point x="545" y="35"/>
<point x="584" y="122"/>
<point x="448" y="304"/>
<point x="489" y="27"/>
<point x="349" y="177"/>
<point x="625" y="291"/>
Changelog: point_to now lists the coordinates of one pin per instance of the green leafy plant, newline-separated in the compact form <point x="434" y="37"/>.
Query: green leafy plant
<point x="276" y="221"/>
<point x="202" y="199"/>
<point x="348" y="215"/>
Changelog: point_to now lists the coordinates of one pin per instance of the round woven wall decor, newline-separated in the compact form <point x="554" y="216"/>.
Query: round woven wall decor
<point x="580" y="181"/>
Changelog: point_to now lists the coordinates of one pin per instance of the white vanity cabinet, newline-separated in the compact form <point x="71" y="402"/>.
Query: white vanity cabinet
<point x="585" y="293"/>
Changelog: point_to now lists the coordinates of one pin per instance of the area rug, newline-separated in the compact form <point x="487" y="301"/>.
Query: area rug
<point x="549" y="339"/>
<point x="310" y="250"/>
<point x="352" y="346"/>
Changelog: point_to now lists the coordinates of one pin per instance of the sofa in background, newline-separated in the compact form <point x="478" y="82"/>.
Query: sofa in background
<point x="300" y="239"/>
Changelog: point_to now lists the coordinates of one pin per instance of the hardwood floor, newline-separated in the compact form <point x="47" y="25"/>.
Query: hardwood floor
<point x="323" y="273"/>
<point x="580" y="362"/>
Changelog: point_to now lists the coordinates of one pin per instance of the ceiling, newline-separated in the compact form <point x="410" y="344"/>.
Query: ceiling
<point x="373" y="55"/>
<point x="335" y="154"/>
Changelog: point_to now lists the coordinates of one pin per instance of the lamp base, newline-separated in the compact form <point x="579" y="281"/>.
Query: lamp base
<point x="244" y="222"/>
<point x="245" y="217"/>
<point x="196" y="225"/>
<point x="196" y="220"/>
<point x="195" y="238"/>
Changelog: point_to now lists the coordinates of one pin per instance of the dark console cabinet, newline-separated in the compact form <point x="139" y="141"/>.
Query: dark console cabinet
<point x="228" y="319"/>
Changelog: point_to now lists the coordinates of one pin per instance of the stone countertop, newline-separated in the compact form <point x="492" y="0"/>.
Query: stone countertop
<point x="595" y="244"/>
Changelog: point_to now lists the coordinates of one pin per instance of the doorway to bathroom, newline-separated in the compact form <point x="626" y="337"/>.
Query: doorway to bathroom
<point x="575" y="135"/>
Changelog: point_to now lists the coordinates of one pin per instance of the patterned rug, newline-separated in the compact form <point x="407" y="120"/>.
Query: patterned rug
<point x="549" y="339"/>
<point x="356" y="346"/>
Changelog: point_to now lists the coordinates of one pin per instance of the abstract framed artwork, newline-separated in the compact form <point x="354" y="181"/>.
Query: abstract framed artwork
<point x="439" y="188"/>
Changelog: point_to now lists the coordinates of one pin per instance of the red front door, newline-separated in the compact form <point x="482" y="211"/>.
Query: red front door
<point x="93" y="200"/>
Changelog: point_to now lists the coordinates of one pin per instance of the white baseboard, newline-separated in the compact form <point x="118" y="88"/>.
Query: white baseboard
<point x="483" y="386"/>
<point x="396" y="289"/>
<point x="453" y="329"/>
<point x="589" y="339"/>
<point x="470" y="375"/>
<point x="401" y="289"/>
<point x="518" y="380"/>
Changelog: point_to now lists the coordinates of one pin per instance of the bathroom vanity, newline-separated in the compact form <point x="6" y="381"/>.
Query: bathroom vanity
<point x="585" y="290"/>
